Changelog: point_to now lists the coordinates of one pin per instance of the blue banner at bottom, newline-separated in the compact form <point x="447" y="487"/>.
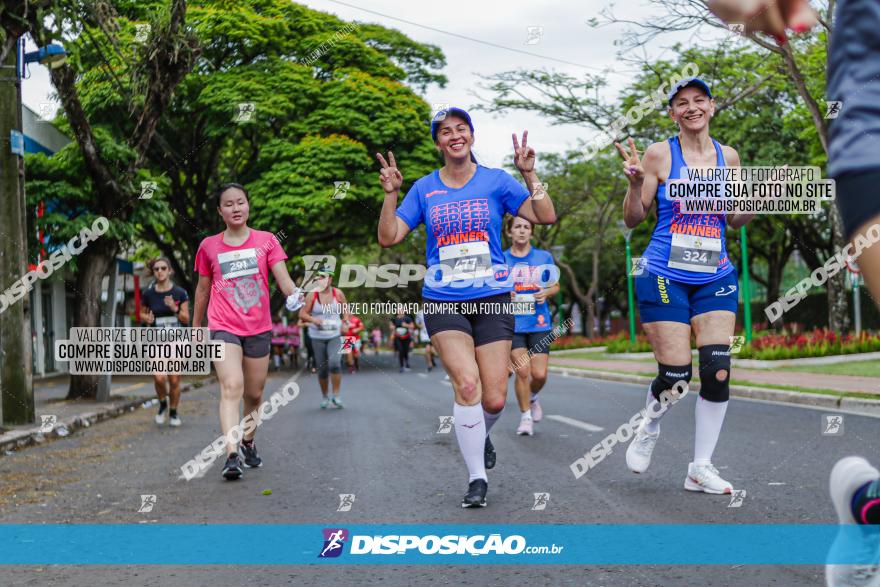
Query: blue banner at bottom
<point x="524" y="544"/>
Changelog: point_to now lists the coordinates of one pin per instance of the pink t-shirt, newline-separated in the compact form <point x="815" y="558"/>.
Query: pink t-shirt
<point x="239" y="275"/>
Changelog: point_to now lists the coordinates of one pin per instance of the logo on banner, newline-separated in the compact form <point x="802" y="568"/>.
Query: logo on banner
<point x="334" y="540"/>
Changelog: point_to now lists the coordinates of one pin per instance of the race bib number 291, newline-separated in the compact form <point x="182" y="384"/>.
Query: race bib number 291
<point x="238" y="263"/>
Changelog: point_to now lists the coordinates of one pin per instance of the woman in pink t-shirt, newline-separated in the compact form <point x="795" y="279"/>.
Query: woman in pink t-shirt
<point x="233" y="268"/>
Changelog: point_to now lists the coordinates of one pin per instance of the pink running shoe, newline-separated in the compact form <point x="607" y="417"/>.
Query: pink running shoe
<point x="525" y="427"/>
<point x="537" y="412"/>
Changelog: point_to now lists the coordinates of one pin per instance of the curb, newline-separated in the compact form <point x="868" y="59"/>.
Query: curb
<point x="18" y="439"/>
<point x="862" y="406"/>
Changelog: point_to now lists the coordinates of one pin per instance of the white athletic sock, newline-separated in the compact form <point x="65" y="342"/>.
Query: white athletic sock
<point x="490" y="420"/>
<point x="470" y="431"/>
<point x="527" y="415"/>
<point x="709" y="418"/>
<point x="652" y="406"/>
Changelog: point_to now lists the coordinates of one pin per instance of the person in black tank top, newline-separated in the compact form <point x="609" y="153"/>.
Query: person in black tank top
<point x="165" y="305"/>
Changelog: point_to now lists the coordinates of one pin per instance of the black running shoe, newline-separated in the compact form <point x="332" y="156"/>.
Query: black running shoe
<point x="489" y="454"/>
<point x="232" y="469"/>
<point x="251" y="458"/>
<point x="476" y="495"/>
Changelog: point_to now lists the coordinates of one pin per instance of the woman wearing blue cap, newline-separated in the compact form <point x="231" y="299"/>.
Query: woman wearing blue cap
<point x="467" y="286"/>
<point x="689" y="282"/>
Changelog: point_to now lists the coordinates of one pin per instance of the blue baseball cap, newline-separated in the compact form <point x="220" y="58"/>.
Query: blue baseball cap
<point x="441" y="116"/>
<point x="689" y="82"/>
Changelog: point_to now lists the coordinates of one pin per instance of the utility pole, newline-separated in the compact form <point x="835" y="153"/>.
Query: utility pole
<point x="16" y="383"/>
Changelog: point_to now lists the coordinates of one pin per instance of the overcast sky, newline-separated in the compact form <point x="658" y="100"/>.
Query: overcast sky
<point x="564" y="35"/>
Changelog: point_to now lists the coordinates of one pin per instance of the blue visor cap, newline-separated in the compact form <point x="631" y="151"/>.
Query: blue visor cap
<point x="441" y="116"/>
<point x="690" y="82"/>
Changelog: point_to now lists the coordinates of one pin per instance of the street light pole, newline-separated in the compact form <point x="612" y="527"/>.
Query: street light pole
<point x="629" y="288"/>
<point x="557" y="251"/>
<point x="16" y="384"/>
<point x="746" y="285"/>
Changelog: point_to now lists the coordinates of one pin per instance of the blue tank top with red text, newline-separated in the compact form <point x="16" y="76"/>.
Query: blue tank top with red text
<point x="670" y="221"/>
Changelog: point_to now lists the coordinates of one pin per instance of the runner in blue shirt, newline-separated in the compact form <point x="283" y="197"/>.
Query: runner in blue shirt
<point x="462" y="205"/>
<point x="535" y="280"/>
<point x="688" y="283"/>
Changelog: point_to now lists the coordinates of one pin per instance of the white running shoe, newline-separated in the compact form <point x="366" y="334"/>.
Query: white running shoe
<point x="537" y="412"/>
<point x="847" y="476"/>
<point x="705" y="478"/>
<point x="525" y="427"/>
<point x="160" y="417"/>
<point x="175" y="421"/>
<point x="639" y="451"/>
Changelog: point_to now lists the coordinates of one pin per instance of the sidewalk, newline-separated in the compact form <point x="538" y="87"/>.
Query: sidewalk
<point x="806" y="381"/>
<point x="127" y="393"/>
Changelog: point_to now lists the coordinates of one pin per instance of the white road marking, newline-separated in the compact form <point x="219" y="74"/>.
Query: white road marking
<point x="576" y="423"/>
<point x="775" y="483"/>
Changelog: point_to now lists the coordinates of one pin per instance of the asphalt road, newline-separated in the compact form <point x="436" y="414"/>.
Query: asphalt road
<point x="384" y="448"/>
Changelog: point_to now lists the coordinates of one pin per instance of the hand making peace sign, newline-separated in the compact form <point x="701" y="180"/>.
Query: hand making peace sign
<point x="632" y="166"/>
<point x="389" y="176"/>
<point x="524" y="156"/>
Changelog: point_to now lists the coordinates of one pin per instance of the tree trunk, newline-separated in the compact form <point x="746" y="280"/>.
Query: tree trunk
<point x="838" y="303"/>
<point x="583" y="300"/>
<point x="92" y="265"/>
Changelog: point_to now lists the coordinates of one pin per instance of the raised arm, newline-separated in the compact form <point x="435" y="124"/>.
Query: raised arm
<point x="538" y="209"/>
<point x="643" y="181"/>
<point x="392" y="229"/>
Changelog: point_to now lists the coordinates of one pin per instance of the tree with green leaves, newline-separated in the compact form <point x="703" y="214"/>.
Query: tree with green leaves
<point x="110" y="161"/>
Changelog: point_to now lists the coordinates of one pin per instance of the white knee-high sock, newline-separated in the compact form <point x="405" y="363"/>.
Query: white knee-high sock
<point x="655" y="409"/>
<point x="470" y="431"/>
<point x="709" y="418"/>
<point x="490" y="419"/>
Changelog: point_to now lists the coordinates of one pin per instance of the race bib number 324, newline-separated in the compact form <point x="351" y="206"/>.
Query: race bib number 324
<point x="695" y="253"/>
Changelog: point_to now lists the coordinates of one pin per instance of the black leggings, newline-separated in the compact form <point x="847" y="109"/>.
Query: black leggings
<point x="402" y="345"/>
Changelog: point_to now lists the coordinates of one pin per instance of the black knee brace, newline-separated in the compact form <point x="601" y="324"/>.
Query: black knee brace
<point x="668" y="376"/>
<point x="714" y="358"/>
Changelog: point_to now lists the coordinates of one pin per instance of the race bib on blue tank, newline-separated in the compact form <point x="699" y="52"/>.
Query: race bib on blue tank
<point x="694" y="253"/>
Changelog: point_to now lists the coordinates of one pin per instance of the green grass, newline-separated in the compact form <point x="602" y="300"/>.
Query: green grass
<point x="858" y="368"/>
<point x="743" y="382"/>
<point x="597" y="356"/>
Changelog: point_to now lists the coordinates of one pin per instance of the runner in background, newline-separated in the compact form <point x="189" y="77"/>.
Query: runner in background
<point x="377" y="339"/>
<point x="307" y="340"/>
<point x="854" y="81"/>
<point x="462" y="206"/>
<point x="293" y="341"/>
<point x="689" y="285"/>
<point x="401" y="337"/>
<point x="425" y="339"/>
<point x="326" y="313"/>
<point x="233" y="290"/>
<point x="165" y="305"/>
<point x="534" y="281"/>
<point x="279" y="342"/>
<point x="355" y="328"/>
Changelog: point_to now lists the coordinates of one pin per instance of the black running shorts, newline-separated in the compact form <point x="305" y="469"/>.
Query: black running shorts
<point x="536" y="342"/>
<point x="253" y="347"/>
<point x="486" y="320"/>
